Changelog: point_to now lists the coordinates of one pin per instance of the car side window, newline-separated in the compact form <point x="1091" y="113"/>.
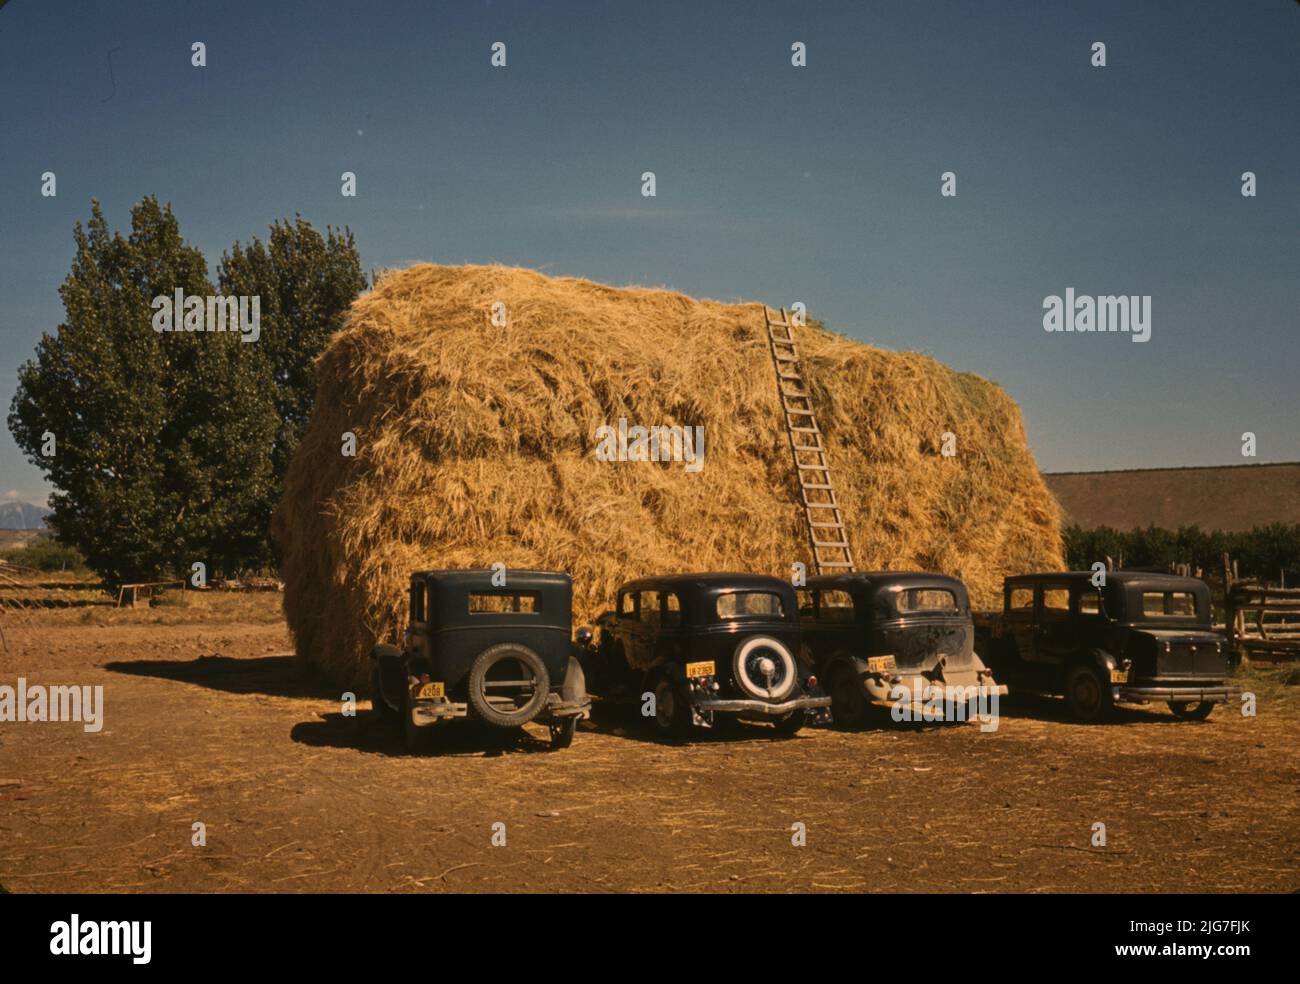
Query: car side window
<point x="672" y="608"/>
<point x="649" y="608"/>
<point x="835" y="606"/>
<point x="1022" y="599"/>
<point x="805" y="601"/>
<point x="1056" y="601"/>
<point x="418" y="613"/>
<point x="1089" y="601"/>
<point x="627" y="605"/>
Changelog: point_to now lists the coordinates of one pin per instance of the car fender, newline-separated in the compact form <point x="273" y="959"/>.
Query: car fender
<point x="574" y="688"/>
<point x="1099" y="659"/>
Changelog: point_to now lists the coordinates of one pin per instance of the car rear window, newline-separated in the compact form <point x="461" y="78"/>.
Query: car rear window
<point x="504" y="602"/>
<point x="835" y="606"/>
<point x="927" y="600"/>
<point x="1172" y="604"/>
<point x="749" y="604"/>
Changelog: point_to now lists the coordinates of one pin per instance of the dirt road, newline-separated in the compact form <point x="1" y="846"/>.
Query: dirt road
<point x="208" y="721"/>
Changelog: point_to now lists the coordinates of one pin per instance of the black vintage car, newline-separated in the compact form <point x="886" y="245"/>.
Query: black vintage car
<point x="501" y="653"/>
<point x="707" y="646"/>
<point x="870" y="632"/>
<point x="1137" y="638"/>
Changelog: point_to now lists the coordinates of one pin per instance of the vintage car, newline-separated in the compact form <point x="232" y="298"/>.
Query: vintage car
<point x="869" y="633"/>
<point x="708" y="647"/>
<point x="1137" y="638"/>
<point x="501" y="653"/>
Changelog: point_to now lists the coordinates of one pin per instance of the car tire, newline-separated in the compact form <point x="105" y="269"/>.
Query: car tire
<point x="672" y="714"/>
<point x="1087" y="693"/>
<point x="1186" y="710"/>
<point x="743" y="660"/>
<point x="791" y="724"/>
<point x="479" y="682"/>
<point x="562" y="732"/>
<point x="412" y="733"/>
<point x="380" y="707"/>
<point x="848" y="703"/>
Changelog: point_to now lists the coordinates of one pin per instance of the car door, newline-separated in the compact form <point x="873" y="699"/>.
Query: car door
<point x="1054" y="629"/>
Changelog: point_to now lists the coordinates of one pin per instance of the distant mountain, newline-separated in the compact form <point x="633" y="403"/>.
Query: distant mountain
<point x="22" y="516"/>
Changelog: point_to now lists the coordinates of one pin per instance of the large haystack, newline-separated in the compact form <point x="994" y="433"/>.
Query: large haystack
<point x="475" y="444"/>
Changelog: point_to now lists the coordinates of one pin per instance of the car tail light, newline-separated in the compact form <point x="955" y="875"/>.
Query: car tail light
<point x="812" y="681"/>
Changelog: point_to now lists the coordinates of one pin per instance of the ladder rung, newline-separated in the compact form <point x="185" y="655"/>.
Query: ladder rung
<point x="799" y="395"/>
<point x="796" y="412"/>
<point x="803" y="467"/>
<point x="808" y="447"/>
<point x="837" y="544"/>
<point x="834" y="563"/>
<point x="821" y="505"/>
<point x="785" y="358"/>
<point x="815" y="485"/>
<point x="807" y="430"/>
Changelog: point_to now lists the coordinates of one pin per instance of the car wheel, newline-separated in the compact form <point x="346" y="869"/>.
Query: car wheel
<point x="562" y="732"/>
<point x="791" y="724"/>
<point x="848" y="704"/>
<point x="672" y="714"/>
<point x="508" y="685"/>
<point x="1187" y="711"/>
<point x="1087" y="693"/>
<point x="412" y="734"/>
<point x="380" y="707"/>
<point x="763" y="668"/>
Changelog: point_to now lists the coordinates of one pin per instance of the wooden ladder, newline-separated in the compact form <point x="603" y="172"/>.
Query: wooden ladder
<point x="827" y="534"/>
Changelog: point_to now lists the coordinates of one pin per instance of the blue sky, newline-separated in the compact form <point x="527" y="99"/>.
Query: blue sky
<point x="818" y="184"/>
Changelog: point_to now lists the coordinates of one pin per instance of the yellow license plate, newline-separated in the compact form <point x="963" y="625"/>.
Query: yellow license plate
<point x="1119" y="676"/>
<point x="700" y="669"/>
<point x="879" y="664"/>
<point x="428" y="691"/>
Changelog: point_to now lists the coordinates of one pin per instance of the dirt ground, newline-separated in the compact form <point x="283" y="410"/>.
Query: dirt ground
<point x="208" y="720"/>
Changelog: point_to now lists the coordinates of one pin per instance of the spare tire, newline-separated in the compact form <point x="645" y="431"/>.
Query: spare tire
<point x="764" y="669"/>
<point x="508" y="685"/>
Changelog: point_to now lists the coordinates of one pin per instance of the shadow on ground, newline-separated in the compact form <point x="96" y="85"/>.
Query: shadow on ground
<point x="272" y="676"/>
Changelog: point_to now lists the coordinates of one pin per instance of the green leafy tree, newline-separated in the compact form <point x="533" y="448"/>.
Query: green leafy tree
<point x="163" y="440"/>
<point x="306" y="283"/>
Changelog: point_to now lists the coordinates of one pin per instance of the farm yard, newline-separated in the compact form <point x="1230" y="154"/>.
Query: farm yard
<point x="208" y="719"/>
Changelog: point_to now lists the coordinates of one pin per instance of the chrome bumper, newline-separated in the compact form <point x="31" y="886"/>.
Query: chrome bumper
<point x="1213" y="695"/>
<point x="762" y="707"/>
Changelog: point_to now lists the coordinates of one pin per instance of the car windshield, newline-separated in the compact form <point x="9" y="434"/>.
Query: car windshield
<point x="1168" y="604"/>
<point x="927" y="600"/>
<point x="750" y="604"/>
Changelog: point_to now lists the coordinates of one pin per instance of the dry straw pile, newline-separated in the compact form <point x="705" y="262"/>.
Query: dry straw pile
<point x="476" y="444"/>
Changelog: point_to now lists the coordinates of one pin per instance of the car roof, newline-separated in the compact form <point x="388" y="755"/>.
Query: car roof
<point x="712" y="581"/>
<point x="515" y="579"/>
<point x="1113" y="577"/>
<point x="881" y="579"/>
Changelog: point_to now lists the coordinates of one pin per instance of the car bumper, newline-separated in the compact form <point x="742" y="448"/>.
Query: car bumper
<point x="1186" y="692"/>
<point x="762" y="707"/>
<point x="428" y="712"/>
<point x="880" y="692"/>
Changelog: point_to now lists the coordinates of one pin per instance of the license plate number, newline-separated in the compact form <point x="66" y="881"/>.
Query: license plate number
<point x="428" y="691"/>
<point x="879" y="664"/>
<point x="1119" y="676"/>
<point x="700" y="669"/>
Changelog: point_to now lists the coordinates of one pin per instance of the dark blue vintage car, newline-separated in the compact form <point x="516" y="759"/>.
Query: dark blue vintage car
<point x="501" y="653"/>
<point x="705" y="647"/>
<point x="1138" y="638"/>
<point x="875" y="636"/>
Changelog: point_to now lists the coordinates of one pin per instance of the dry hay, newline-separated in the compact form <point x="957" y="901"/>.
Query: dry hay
<point x="476" y="445"/>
